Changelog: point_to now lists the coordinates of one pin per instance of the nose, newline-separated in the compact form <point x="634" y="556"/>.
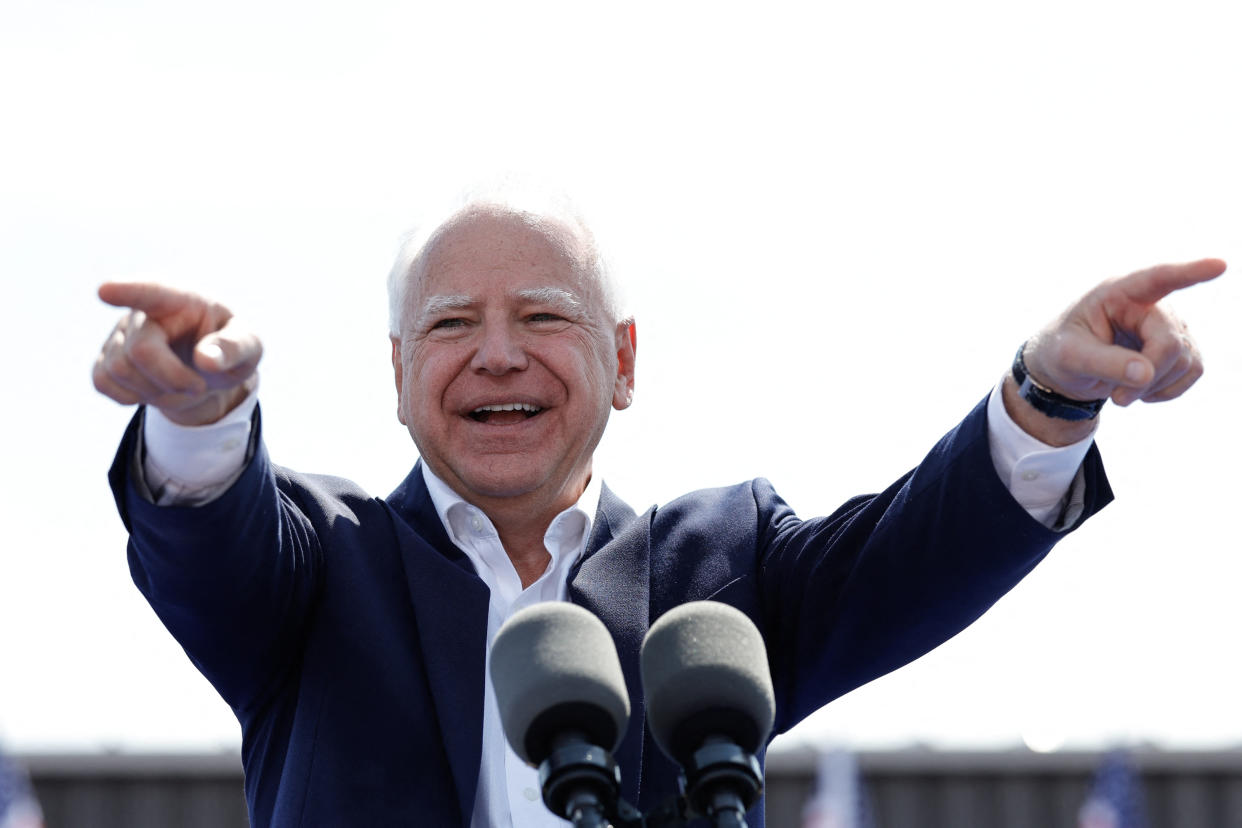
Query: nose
<point x="500" y="351"/>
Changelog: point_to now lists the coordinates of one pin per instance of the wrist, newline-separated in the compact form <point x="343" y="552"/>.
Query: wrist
<point x="1047" y="400"/>
<point x="1049" y="430"/>
<point x="211" y="407"/>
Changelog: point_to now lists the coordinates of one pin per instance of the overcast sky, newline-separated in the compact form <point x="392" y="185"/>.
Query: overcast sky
<point x="837" y="222"/>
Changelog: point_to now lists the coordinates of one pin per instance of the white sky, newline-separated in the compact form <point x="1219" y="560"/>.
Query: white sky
<point x="837" y="222"/>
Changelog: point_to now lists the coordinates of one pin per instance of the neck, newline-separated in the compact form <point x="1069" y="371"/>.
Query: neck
<point x="528" y="554"/>
<point x="522" y="527"/>
<point x="522" y="523"/>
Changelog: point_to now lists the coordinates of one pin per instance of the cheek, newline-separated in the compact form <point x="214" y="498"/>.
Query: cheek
<point x="588" y="360"/>
<point x="604" y="367"/>
<point x="427" y="378"/>
<point x="412" y="380"/>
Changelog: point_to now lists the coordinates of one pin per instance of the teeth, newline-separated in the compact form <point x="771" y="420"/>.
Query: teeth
<point x="508" y="407"/>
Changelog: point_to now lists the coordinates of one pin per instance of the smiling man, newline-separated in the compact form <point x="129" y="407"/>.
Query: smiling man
<point x="349" y="634"/>
<point x="507" y="359"/>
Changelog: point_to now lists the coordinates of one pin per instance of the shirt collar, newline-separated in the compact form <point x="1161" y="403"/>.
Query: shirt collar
<point x="568" y="532"/>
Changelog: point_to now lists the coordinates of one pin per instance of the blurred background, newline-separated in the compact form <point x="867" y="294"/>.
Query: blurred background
<point x="836" y="223"/>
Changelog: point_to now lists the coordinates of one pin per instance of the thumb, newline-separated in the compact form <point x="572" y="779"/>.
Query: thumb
<point x="1118" y="365"/>
<point x="231" y="352"/>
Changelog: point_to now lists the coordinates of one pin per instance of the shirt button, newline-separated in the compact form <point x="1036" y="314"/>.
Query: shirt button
<point x="1030" y="475"/>
<point x="476" y="523"/>
<point x="531" y="794"/>
<point x="229" y="445"/>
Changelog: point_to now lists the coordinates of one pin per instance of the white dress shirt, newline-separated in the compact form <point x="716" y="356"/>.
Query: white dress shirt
<point x="508" y="792"/>
<point x="193" y="465"/>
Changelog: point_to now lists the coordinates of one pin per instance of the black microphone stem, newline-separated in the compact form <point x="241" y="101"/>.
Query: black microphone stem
<point x="727" y="809"/>
<point x="584" y="811"/>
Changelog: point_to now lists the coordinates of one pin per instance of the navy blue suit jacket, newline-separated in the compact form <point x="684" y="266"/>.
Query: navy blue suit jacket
<point x="347" y="632"/>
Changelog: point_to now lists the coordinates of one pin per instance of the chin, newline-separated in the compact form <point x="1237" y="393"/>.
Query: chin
<point x="495" y="483"/>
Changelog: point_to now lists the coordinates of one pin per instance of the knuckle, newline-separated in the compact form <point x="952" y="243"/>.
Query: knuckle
<point x="117" y="338"/>
<point x="122" y="371"/>
<point x="115" y="392"/>
<point x="219" y="314"/>
<point x="99" y="378"/>
<point x="127" y="377"/>
<point x="145" y="350"/>
<point x="1111" y="285"/>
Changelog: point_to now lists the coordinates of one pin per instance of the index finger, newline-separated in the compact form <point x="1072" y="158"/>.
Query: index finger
<point x="1153" y="284"/>
<point x="153" y="299"/>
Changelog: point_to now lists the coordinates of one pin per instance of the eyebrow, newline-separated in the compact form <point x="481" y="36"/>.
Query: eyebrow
<point x="552" y="296"/>
<point x="557" y="297"/>
<point x="436" y="305"/>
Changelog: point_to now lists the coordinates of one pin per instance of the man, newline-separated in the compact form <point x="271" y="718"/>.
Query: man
<point x="349" y="634"/>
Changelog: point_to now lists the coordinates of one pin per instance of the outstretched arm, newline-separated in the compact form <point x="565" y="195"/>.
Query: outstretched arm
<point x="230" y="572"/>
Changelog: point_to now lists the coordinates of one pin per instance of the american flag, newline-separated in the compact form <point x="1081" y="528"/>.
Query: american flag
<point x="839" y="801"/>
<point x="1116" y="797"/>
<point x="18" y="807"/>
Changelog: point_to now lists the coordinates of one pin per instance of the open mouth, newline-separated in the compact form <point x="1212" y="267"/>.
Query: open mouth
<point x="505" y="413"/>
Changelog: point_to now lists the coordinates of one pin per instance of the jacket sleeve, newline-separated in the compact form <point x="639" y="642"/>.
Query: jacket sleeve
<point x="847" y="598"/>
<point x="233" y="580"/>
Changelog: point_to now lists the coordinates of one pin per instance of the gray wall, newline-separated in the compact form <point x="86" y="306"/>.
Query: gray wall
<point x="1015" y="789"/>
<point x="905" y="789"/>
<point x="132" y="791"/>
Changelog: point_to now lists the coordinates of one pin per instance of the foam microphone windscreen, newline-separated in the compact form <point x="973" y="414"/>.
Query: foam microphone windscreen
<point x="705" y="673"/>
<point x="556" y="672"/>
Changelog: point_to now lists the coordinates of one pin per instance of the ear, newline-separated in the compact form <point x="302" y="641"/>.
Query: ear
<point x="627" y="347"/>
<point x="396" y="373"/>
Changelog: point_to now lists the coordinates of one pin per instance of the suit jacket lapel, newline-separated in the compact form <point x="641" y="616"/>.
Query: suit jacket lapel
<point x="450" y="605"/>
<point x="613" y="582"/>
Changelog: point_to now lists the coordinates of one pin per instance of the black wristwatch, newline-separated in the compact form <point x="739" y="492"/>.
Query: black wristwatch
<point x="1047" y="401"/>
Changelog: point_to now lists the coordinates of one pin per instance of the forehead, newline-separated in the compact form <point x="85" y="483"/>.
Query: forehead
<point x="482" y="250"/>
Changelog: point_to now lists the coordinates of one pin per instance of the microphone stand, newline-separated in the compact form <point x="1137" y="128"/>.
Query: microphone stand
<point x="721" y="781"/>
<point x="581" y="783"/>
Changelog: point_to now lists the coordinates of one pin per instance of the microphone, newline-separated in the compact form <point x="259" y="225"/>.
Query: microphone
<point x="563" y="706"/>
<point x="710" y="704"/>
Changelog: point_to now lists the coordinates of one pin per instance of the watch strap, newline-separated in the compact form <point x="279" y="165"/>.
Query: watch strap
<point x="1047" y="401"/>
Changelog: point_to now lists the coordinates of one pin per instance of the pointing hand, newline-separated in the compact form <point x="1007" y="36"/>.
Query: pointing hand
<point x="175" y="351"/>
<point x="1119" y="342"/>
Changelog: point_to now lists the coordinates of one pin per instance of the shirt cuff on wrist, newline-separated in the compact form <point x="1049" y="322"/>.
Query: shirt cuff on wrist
<point x="183" y="461"/>
<point x="1037" y="475"/>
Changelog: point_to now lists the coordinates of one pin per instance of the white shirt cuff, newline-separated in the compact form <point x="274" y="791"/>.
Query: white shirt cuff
<point x="1039" y="476"/>
<point x="193" y="465"/>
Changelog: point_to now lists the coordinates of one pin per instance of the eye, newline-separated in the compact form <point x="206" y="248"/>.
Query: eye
<point x="454" y="322"/>
<point x="548" y="322"/>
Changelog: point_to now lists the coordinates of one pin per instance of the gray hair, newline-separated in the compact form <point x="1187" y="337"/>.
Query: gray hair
<point x="537" y="208"/>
